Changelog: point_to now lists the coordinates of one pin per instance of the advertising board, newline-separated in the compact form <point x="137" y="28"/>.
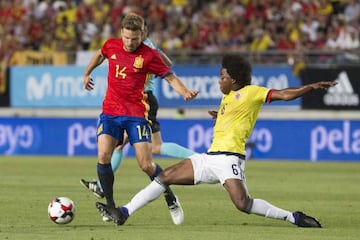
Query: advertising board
<point x="62" y="86"/>
<point x="311" y="140"/>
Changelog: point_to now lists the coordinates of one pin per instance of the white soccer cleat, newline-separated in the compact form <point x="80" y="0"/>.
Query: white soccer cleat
<point x="176" y="212"/>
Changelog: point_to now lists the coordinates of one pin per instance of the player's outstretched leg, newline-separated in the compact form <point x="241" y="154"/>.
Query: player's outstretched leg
<point x="176" y="211"/>
<point x="303" y="220"/>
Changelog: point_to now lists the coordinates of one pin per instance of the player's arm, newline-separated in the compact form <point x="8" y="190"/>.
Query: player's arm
<point x="95" y="61"/>
<point x="288" y="94"/>
<point x="166" y="59"/>
<point x="179" y="87"/>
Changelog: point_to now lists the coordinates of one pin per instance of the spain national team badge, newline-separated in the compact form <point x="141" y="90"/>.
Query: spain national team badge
<point x="139" y="61"/>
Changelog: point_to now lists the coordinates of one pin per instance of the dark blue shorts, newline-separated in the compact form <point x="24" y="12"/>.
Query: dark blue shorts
<point x="138" y="129"/>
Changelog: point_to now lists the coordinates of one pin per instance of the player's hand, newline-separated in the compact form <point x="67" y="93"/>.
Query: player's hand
<point x="88" y="83"/>
<point x="213" y="114"/>
<point x="323" y="84"/>
<point x="191" y="94"/>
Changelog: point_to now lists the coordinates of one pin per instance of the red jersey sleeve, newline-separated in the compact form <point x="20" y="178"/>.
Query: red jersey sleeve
<point x="156" y="65"/>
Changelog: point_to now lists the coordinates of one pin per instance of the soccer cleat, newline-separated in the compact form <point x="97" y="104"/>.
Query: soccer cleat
<point x="93" y="187"/>
<point x="107" y="218"/>
<point x="302" y="220"/>
<point x="176" y="212"/>
<point x="114" y="214"/>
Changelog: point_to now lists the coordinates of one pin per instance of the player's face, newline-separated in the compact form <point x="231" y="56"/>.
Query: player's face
<point x="225" y="81"/>
<point x="131" y="39"/>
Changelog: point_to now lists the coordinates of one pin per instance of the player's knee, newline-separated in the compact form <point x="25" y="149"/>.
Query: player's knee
<point x="165" y="177"/>
<point x="104" y="158"/>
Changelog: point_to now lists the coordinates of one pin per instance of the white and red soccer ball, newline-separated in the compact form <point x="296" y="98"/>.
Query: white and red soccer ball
<point x="61" y="210"/>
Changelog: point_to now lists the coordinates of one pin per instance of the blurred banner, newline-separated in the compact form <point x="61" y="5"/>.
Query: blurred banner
<point x="344" y="96"/>
<point x="62" y="86"/>
<point x="28" y="57"/>
<point x="309" y="140"/>
<point x="205" y="79"/>
<point x="83" y="57"/>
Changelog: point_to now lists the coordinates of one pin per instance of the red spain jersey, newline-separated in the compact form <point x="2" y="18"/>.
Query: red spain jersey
<point x="128" y="74"/>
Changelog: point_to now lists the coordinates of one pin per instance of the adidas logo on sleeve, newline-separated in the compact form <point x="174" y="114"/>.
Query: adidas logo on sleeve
<point x="342" y="94"/>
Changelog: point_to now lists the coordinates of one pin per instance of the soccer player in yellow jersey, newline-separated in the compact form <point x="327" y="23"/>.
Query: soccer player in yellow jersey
<point x="224" y="162"/>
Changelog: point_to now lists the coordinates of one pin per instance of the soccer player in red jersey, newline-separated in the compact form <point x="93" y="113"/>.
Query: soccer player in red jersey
<point x="125" y="106"/>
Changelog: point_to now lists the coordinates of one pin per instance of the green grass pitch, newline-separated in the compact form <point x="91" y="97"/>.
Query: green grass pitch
<point x="329" y="191"/>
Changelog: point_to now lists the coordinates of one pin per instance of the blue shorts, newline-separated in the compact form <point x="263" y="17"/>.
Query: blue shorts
<point x="138" y="129"/>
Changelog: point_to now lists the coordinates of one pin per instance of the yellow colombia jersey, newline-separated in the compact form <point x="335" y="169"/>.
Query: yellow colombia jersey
<point x="236" y="118"/>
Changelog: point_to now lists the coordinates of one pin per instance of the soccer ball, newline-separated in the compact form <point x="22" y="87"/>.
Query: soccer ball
<point x="61" y="210"/>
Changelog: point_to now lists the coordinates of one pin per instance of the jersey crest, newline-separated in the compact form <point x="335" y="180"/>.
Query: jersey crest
<point x="222" y="109"/>
<point x="139" y="62"/>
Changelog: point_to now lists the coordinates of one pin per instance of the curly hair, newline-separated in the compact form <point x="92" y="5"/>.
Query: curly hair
<point x="238" y="68"/>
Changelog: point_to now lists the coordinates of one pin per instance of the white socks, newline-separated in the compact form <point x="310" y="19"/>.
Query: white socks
<point x="154" y="190"/>
<point x="145" y="196"/>
<point x="264" y="208"/>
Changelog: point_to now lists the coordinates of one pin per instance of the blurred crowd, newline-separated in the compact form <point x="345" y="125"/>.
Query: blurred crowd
<point x="207" y="25"/>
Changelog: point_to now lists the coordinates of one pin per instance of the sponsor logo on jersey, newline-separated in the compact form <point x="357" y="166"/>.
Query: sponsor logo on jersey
<point x="342" y="94"/>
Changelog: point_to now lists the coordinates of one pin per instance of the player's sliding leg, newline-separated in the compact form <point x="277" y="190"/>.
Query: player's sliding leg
<point x="264" y="208"/>
<point x="176" y="211"/>
<point x="153" y="170"/>
<point x="238" y="193"/>
<point x="237" y="189"/>
<point x="145" y="196"/>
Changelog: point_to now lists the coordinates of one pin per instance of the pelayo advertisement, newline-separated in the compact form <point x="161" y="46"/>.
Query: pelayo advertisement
<point x="309" y="140"/>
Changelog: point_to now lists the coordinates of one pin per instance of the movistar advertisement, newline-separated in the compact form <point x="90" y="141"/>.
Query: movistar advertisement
<point x="55" y="86"/>
<point x="344" y="96"/>
<point x="62" y="86"/>
<point x="308" y="140"/>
